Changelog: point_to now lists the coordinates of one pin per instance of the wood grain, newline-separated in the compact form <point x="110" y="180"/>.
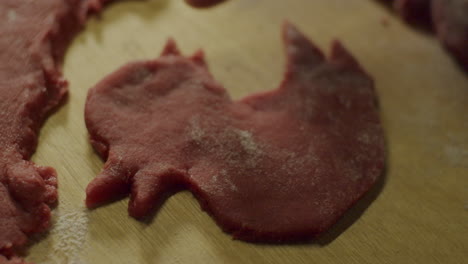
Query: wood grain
<point x="420" y="209"/>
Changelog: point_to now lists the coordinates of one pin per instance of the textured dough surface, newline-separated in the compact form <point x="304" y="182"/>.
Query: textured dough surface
<point x="449" y="18"/>
<point x="34" y="37"/>
<point x="278" y="166"/>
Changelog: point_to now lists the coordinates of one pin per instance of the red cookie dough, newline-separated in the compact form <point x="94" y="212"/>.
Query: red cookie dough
<point x="203" y="3"/>
<point x="34" y="35"/>
<point x="278" y="166"/>
<point x="451" y="24"/>
<point x="13" y="260"/>
<point x="415" y="11"/>
<point x="449" y="19"/>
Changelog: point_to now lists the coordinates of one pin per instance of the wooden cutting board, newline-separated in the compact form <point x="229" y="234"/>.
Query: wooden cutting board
<point x="420" y="211"/>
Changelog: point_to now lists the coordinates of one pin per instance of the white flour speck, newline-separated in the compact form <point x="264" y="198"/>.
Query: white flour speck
<point x="196" y="132"/>
<point x="364" y="138"/>
<point x="11" y="15"/>
<point x="232" y="186"/>
<point x="249" y="145"/>
<point x="456" y="156"/>
<point x="215" y="178"/>
<point x="71" y="231"/>
<point x="248" y="142"/>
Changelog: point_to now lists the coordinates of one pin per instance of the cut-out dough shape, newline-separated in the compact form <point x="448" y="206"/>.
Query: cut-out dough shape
<point x="278" y="166"/>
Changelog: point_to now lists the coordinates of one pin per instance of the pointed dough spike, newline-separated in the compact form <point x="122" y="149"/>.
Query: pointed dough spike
<point x="300" y="51"/>
<point x="170" y="48"/>
<point x="199" y="58"/>
<point x="107" y="186"/>
<point x="146" y="189"/>
<point x="150" y="187"/>
<point x="340" y="55"/>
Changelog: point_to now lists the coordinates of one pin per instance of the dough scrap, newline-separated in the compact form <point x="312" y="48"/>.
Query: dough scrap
<point x="34" y="37"/>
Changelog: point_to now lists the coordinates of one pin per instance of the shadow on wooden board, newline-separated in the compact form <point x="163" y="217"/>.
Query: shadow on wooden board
<point x="354" y="213"/>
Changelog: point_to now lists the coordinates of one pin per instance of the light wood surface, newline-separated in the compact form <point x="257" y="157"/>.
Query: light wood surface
<point x="420" y="211"/>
